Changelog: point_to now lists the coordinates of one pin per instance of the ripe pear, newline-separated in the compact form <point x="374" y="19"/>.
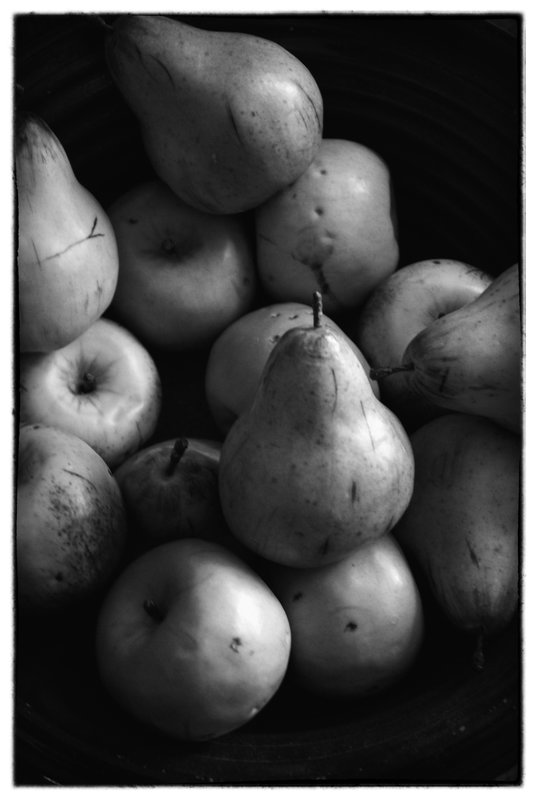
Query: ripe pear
<point x="67" y="256"/>
<point x="316" y="465"/>
<point x="227" y="119"/>
<point x="461" y="525"/>
<point x="470" y="359"/>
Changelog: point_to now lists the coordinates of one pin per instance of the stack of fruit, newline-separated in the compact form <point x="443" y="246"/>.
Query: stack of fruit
<point x="360" y="454"/>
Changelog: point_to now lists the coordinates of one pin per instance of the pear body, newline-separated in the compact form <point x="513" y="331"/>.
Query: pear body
<point x="470" y="359"/>
<point x="67" y="251"/>
<point x="461" y="525"/>
<point x="317" y="465"/>
<point x="227" y="119"/>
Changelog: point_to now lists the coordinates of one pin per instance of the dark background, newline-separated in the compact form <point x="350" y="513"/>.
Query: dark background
<point x="439" y="98"/>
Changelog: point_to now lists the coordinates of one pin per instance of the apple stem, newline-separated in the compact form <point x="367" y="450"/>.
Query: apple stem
<point x="317" y="309"/>
<point x="87" y="383"/>
<point x="153" y="610"/>
<point x="478" y="653"/>
<point x="179" y="449"/>
<point x="376" y="373"/>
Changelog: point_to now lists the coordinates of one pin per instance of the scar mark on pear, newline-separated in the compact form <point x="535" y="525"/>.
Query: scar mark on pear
<point x="91" y="235"/>
<point x="472" y="554"/>
<point x="367" y="424"/>
<point x="164" y="68"/>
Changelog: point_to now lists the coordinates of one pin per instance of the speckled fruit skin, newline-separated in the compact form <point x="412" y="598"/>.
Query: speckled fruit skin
<point x="227" y="118"/>
<point x="357" y="625"/>
<point x="462" y="523"/>
<point x="191" y="641"/>
<point x="238" y="356"/>
<point x="70" y="521"/>
<point x="333" y="230"/>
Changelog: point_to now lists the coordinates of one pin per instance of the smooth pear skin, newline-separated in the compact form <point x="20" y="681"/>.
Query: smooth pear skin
<point x="227" y="119"/>
<point x="317" y="465"/>
<point x="470" y="360"/>
<point x="461" y="525"/>
<point x="67" y="255"/>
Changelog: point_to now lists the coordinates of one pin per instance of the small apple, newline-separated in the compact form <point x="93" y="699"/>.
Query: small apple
<point x="332" y="230"/>
<point x="237" y="358"/>
<point x="104" y="387"/>
<point x="67" y="260"/>
<point x="191" y="641"/>
<point x="184" y="275"/>
<point x="356" y="625"/>
<point x="170" y="491"/>
<point x="400" y="307"/>
<point x="70" y="521"/>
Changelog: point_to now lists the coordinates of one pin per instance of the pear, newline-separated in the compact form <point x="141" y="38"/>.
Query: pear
<point x="67" y="256"/>
<point x="461" y="526"/>
<point x="227" y="119"/>
<point x="316" y="465"/>
<point x="470" y="359"/>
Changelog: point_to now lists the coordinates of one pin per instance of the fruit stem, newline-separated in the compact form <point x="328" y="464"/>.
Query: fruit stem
<point x="478" y="653"/>
<point x="179" y="449"/>
<point x="376" y="373"/>
<point x="87" y="383"/>
<point x="317" y="309"/>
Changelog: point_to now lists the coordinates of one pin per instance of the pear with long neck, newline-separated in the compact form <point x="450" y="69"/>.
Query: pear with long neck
<point x="67" y="258"/>
<point x="470" y="359"/>
<point x="317" y="465"/>
<point x="227" y="118"/>
<point x="462" y="524"/>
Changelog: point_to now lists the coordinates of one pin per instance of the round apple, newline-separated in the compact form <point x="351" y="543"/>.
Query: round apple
<point x="356" y="625"/>
<point x="333" y="230"/>
<point x="184" y="275"/>
<point x="67" y="259"/>
<point x="104" y="387"/>
<point x="237" y="358"/>
<point x="399" y="308"/>
<point x="191" y="641"/>
<point x="70" y="521"/>
<point x="170" y="490"/>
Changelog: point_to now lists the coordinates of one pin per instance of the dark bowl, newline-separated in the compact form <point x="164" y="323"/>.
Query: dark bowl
<point x="439" y="97"/>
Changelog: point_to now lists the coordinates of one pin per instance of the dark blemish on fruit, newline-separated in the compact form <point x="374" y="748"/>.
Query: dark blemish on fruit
<point x="58" y="577"/>
<point x="294" y="316"/>
<point x="297" y="596"/>
<point x="436" y="261"/>
<point x="351" y="626"/>
<point x="323" y="172"/>
<point x="324" y="547"/>
<point x="319" y="211"/>
<point x="153" y="610"/>
<point x="354" y="491"/>
<point x="133" y="221"/>
<point x="300" y="534"/>
<point x="275" y="338"/>
<point x="236" y="643"/>
<point x="472" y="554"/>
<point x="443" y="380"/>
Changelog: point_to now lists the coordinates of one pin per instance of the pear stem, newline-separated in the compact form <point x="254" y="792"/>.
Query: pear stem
<point x="317" y="309"/>
<point x="383" y="372"/>
<point x="478" y="653"/>
<point x="179" y="449"/>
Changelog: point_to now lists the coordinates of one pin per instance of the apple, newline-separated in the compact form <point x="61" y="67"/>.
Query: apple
<point x="400" y="307"/>
<point x="191" y="641"/>
<point x="70" y="521"/>
<point x="237" y="357"/>
<point x="103" y="387"/>
<point x="357" y="625"/>
<point x="184" y="275"/>
<point x="170" y="491"/>
<point x="332" y="230"/>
